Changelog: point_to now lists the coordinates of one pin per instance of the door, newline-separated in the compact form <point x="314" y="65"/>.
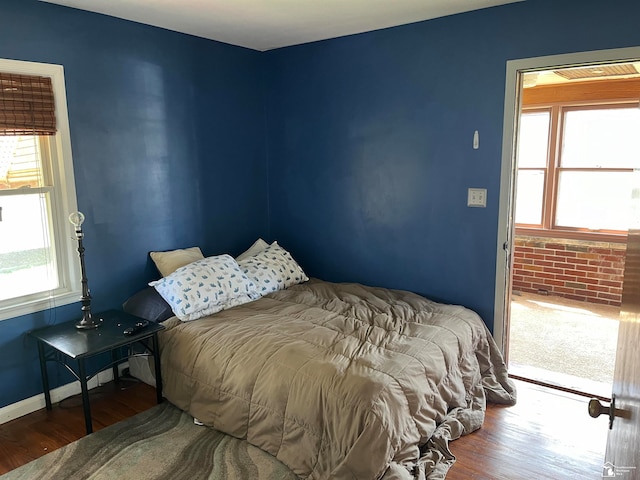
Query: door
<point x="622" y="459"/>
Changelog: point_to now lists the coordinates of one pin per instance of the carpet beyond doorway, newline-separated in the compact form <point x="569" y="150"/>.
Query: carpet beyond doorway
<point x="563" y="342"/>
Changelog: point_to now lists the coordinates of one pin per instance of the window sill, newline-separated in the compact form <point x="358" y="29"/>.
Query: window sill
<point x="585" y="236"/>
<point x="39" y="304"/>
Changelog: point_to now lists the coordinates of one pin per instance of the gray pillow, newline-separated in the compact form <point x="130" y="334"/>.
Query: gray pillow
<point x="148" y="304"/>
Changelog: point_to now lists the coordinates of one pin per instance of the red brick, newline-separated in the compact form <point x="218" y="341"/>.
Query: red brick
<point x="579" y="298"/>
<point x="556" y="271"/>
<point x="604" y="276"/>
<point x="612" y="271"/>
<point x="584" y="291"/>
<point x="534" y="268"/>
<point x="550" y="276"/>
<point x="601" y="301"/>
<point x="588" y="256"/>
<point x="564" y="290"/>
<point x="567" y="254"/>
<point x="527" y="289"/>
<point x="586" y="268"/>
<point x="566" y="278"/>
<point x="608" y="296"/>
<point x="598" y="288"/>
<point x="545" y="264"/>
<point x="576" y="273"/>
<point x="563" y="265"/>
<point x="601" y="251"/>
<point x="579" y="261"/>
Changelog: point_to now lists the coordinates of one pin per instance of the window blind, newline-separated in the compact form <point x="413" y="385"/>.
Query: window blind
<point x="26" y="105"/>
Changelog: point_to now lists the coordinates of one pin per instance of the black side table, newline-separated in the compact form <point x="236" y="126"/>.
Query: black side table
<point x="64" y="341"/>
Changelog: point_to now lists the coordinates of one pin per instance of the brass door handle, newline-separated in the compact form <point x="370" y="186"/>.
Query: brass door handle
<point x="596" y="409"/>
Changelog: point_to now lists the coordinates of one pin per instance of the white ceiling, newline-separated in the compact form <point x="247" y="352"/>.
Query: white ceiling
<point x="267" y="24"/>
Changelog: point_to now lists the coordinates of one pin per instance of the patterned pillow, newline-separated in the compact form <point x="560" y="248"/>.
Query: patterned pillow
<point x="205" y="287"/>
<point x="273" y="269"/>
<point x="254" y="249"/>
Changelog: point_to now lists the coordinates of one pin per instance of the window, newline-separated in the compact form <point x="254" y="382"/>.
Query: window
<point x="575" y="168"/>
<point x="38" y="264"/>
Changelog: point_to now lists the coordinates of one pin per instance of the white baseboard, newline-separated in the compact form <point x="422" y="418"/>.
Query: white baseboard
<point x="37" y="402"/>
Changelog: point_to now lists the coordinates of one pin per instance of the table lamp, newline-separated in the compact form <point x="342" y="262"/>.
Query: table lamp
<point x="87" y="322"/>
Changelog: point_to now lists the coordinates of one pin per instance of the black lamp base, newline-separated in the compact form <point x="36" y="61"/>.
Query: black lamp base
<point x="86" y="326"/>
<point x="88" y="323"/>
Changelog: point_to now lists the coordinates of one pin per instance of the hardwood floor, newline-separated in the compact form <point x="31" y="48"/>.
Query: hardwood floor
<point x="29" y="437"/>
<point x="547" y="435"/>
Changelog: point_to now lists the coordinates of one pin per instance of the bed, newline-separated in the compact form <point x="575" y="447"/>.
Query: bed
<point x="338" y="380"/>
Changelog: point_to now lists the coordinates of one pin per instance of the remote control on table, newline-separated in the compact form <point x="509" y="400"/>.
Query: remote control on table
<point x="136" y="328"/>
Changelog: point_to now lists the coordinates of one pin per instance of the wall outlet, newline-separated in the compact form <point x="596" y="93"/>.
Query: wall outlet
<point x="477" y="197"/>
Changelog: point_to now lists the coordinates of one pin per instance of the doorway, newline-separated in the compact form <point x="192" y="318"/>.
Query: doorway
<point x="563" y="250"/>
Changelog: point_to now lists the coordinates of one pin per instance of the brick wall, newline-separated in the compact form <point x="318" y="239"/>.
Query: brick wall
<point x="586" y="271"/>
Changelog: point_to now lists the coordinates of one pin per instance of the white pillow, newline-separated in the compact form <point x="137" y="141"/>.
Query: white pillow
<point x="169" y="262"/>
<point x="254" y="249"/>
<point x="205" y="287"/>
<point x="273" y="269"/>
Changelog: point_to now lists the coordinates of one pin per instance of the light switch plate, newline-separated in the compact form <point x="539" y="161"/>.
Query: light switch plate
<point x="477" y="197"/>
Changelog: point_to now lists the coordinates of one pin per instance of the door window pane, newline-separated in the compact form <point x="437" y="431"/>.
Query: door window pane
<point x="27" y="255"/>
<point x="601" y="138"/>
<point x="594" y="200"/>
<point x="533" y="140"/>
<point x="530" y="190"/>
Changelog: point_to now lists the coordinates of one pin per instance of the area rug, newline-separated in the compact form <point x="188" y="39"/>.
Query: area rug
<point x="161" y="443"/>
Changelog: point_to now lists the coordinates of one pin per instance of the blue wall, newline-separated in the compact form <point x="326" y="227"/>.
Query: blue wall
<point x="370" y="142"/>
<point x="166" y="129"/>
<point x="367" y="140"/>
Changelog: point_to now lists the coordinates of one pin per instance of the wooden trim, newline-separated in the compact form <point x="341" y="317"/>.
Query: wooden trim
<point x="551" y="185"/>
<point x="581" y="92"/>
<point x="572" y="234"/>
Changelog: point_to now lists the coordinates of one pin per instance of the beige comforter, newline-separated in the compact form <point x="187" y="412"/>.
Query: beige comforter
<point x="339" y="381"/>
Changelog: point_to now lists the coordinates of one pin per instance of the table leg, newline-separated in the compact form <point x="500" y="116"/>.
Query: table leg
<point x="45" y="375"/>
<point x="114" y="359"/>
<point x="85" y="395"/>
<point x="156" y="360"/>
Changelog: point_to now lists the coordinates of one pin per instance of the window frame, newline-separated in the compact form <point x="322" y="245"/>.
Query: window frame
<point x="63" y="199"/>
<point x="549" y="227"/>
